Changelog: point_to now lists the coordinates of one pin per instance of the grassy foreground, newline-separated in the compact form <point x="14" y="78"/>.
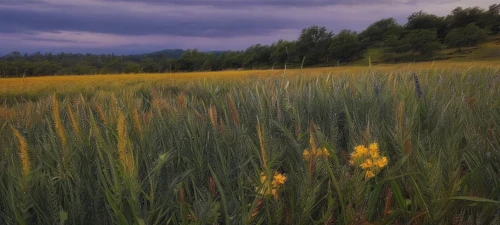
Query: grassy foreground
<point x="254" y="147"/>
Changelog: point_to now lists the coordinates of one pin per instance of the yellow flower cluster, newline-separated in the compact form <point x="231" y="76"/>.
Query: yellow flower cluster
<point x="271" y="187"/>
<point x="368" y="159"/>
<point x="320" y="152"/>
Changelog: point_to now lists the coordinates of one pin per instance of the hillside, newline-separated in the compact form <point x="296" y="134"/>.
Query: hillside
<point x="486" y="51"/>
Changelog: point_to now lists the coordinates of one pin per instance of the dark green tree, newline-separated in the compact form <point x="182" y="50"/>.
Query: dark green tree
<point x="422" y="42"/>
<point x="467" y="36"/>
<point x="345" y="46"/>
<point x="284" y="52"/>
<point x="421" y="20"/>
<point x="377" y="33"/>
<point x="149" y="66"/>
<point x="313" y="44"/>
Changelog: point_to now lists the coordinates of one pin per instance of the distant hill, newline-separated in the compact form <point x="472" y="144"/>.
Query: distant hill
<point x="176" y="53"/>
<point x="170" y="53"/>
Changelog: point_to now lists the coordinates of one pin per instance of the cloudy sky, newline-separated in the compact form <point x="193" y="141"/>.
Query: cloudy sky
<point x="129" y="27"/>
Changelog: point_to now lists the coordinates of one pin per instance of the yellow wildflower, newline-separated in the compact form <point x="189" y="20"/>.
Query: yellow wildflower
<point x="374" y="150"/>
<point x="369" y="174"/>
<point x="361" y="150"/>
<point x="271" y="188"/>
<point x="374" y="154"/>
<point x="368" y="159"/>
<point x="279" y="179"/>
<point x="306" y="154"/>
<point x="322" y="152"/>
<point x="382" y="162"/>
<point x="367" y="164"/>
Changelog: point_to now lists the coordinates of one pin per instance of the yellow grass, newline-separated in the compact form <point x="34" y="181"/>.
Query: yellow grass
<point x="123" y="146"/>
<point x="91" y="83"/>
<point x="58" y="124"/>
<point x="23" y="151"/>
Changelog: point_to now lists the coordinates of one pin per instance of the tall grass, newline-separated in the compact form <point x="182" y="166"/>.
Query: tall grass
<point x="201" y="151"/>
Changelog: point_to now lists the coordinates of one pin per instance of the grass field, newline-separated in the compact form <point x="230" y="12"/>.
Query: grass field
<point x="390" y="144"/>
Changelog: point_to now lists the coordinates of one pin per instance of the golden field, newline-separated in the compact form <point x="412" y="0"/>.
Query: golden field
<point x="33" y="86"/>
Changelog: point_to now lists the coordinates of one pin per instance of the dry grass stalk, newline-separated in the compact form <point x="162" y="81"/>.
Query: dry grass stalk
<point x="182" y="195"/>
<point x="212" y="186"/>
<point x="113" y="105"/>
<point x="330" y="221"/>
<point x="257" y="208"/>
<point x="212" y="113"/>
<point x="403" y="132"/>
<point x="125" y="155"/>
<point x="471" y="103"/>
<point x="234" y="111"/>
<point x="74" y="121"/>
<point x="23" y="151"/>
<point x="312" y="143"/>
<point x="400" y="117"/>
<point x="137" y="121"/>
<point x="6" y="113"/>
<point x="58" y="124"/>
<point x="100" y="113"/>
<point x="181" y="100"/>
<point x="388" y="200"/>
<point x="261" y="142"/>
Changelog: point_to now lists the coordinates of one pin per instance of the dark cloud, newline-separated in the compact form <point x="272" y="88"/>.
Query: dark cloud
<point x="279" y="3"/>
<point x="130" y="24"/>
<point x="205" y="24"/>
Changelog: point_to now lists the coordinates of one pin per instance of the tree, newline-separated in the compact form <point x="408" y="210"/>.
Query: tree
<point x="493" y="18"/>
<point x="230" y="59"/>
<point x="284" y="52"/>
<point x="422" y="20"/>
<point x="149" y="66"/>
<point x="210" y="63"/>
<point x="345" y="46"/>
<point x="460" y="17"/>
<point x="190" y="60"/>
<point x="46" y="68"/>
<point x="256" y="56"/>
<point x="423" y="42"/>
<point x="313" y="44"/>
<point x="132" y="67"/>
<point x="467" y="36"/>
<point x="378" y="32"/>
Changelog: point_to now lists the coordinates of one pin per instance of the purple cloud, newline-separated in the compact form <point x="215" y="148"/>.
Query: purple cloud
<point x="132" y="26"/>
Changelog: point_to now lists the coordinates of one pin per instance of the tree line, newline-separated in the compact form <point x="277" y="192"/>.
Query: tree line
<point x="420" y="38"/>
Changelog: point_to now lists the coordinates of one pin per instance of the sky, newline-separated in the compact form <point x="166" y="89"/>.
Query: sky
<point x="141" y="26"/>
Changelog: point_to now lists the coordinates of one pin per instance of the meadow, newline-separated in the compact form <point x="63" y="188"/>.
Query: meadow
<point x="411" y="143"/>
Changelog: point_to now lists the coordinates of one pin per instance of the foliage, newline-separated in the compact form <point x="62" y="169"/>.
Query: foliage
<point x="345" y="46"/>
<point x="194" y="152"/>
<point x="466" y="36"/>
<point x="378" y="33"/>
<point x="312" y="43"/>
<point x="423" y="42"/>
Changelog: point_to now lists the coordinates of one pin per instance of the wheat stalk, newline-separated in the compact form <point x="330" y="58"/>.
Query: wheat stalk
<point x="58" y="124"/>
<point x="23" y="150"/>
<point x="74" y="121"/>
<point x="126" y="157"/>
